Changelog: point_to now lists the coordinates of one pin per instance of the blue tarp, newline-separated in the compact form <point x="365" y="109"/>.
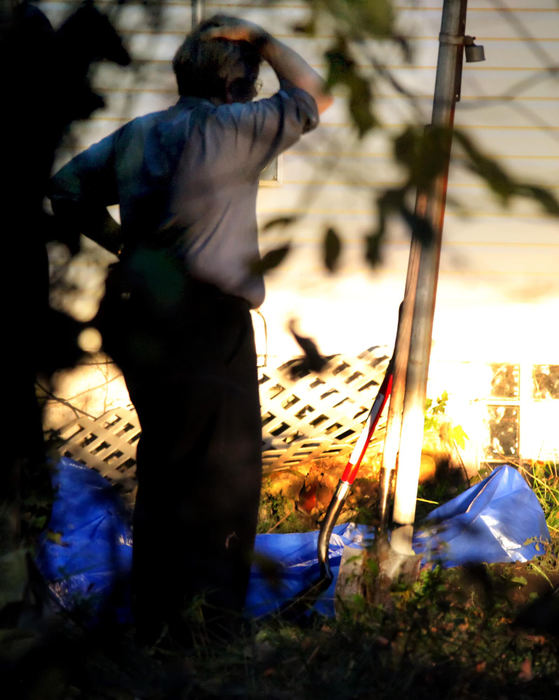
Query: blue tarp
<point x="296" y="554"/>
<point x="88" y="547"/>
<point x="498" y="520"/>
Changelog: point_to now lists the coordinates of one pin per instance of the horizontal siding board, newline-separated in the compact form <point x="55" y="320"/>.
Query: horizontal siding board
<point x="478" y="200"/>
<point x="522" y="261"/>
<point x="372" y="169"/>
<point x="378" y="169"/>
<point x="514" y="54"/>
<point x="511" y="55"/>
<point x="153" y="46"/>
<point x="150" y="77"/>
<point x="424" y="16"/>
<point x="337" y="200"/>
<point x="520" y="53"/>
<point x="482" y="231"/>
<point x="479" y="79"/>
<point x="532" y="26"/>
<point x="483" y="83"/>
<point x="474" y="263"/>
<point x="501" y="140"/>
<point x="277" y="17"/>
<point x="544" y="172"/>
<point x="419" y="81"/>
<point x="386" y="174"/>
<point x="312" y="197"/>
<point x="414" y="21"/>
<point x="525" y="114"/>
<point x="521" y="113"/>
<point x="304" y="267"/>
<point x="520" y="6"/>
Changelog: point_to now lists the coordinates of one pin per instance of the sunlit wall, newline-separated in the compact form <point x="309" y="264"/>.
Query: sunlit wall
<point x="498" y="296"/>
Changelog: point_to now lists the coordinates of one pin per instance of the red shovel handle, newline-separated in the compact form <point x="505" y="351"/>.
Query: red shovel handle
<point x="354" y="462"/>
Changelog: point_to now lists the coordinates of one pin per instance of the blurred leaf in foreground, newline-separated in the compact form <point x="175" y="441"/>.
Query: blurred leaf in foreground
<point x="332" y="249"/>
<point x="270" y="260"/>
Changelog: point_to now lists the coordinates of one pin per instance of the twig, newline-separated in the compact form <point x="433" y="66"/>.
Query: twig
<point x="64" y="402"/>
<point x="280" y="521"/>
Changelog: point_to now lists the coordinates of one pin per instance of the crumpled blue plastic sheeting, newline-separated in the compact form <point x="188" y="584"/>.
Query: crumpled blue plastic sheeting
<point x="296" y="556"/>
<point x="87" y="549"/>
<point x="498" y="520"/>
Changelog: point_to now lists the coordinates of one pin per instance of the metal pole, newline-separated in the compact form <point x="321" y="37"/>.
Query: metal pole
<point x="447" y="87"/>
<point x="401" y="354"/>
<point x="197" y="12"/>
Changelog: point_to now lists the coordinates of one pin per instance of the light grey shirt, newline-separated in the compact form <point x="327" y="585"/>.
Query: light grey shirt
<point x="186" y="179"/>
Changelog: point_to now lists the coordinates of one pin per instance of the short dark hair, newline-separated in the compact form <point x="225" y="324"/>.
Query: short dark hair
<point x="209" y="68"/>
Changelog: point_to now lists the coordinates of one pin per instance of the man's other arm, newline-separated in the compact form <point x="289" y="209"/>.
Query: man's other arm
<point x="80" y="193"/>
<point x="74" y="219"/>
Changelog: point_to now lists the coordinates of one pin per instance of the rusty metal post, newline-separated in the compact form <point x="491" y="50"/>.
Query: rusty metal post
<point x="401" y="354"/>
<point x="447" y="89"/>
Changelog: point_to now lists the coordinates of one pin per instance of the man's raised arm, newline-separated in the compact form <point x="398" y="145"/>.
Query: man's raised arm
<point x="289" y="66"/>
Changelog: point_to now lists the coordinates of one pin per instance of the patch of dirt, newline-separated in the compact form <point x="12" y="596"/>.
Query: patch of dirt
<point x="302" y="494"/>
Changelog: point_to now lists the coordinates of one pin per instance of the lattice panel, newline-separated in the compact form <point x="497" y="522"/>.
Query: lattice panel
<point x="332" y="405"/>
<point x="304" y="418"/>
<point x="305" y="451"/>
<point x="107" y="444"/>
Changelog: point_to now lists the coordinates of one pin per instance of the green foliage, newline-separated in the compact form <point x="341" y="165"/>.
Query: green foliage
<point x="434" y="410"/>
<point x="438" y="425"/>
<point x="342" y="71"/>
<point x="356" y="19"/>
<point x="278" y="514"/>
<point x="503" y="185"/>
<point x="446" y="634"/>
<point x="543" y="478"/>
<point x="13" y="576"/>
<point x="424" y="154"/>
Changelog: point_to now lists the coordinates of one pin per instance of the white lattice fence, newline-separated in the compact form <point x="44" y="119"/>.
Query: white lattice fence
<point x="304" y="418"/>
<point x="315" y="416"/>
<point x="107" y="444"/>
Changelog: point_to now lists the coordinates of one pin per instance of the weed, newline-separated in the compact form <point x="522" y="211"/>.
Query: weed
<point x="543" y="478"/>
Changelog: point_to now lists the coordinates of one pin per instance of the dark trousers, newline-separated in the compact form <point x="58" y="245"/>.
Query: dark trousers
<point x="190" y="369"/>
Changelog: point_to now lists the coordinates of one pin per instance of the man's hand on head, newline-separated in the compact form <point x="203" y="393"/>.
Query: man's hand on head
<point x="235" y="29"/>
<point x="289" y="67"/>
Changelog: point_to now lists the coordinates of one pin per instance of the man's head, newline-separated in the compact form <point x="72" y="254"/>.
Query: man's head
<point x="216" y="69"/>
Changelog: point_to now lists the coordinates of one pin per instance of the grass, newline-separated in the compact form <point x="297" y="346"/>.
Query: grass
<point x="470" y="632"/>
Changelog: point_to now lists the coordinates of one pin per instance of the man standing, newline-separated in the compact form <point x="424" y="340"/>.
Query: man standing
<point x="176" y="311"/>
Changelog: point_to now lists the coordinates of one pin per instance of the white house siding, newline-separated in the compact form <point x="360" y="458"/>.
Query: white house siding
<point x="498" y="295"/>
